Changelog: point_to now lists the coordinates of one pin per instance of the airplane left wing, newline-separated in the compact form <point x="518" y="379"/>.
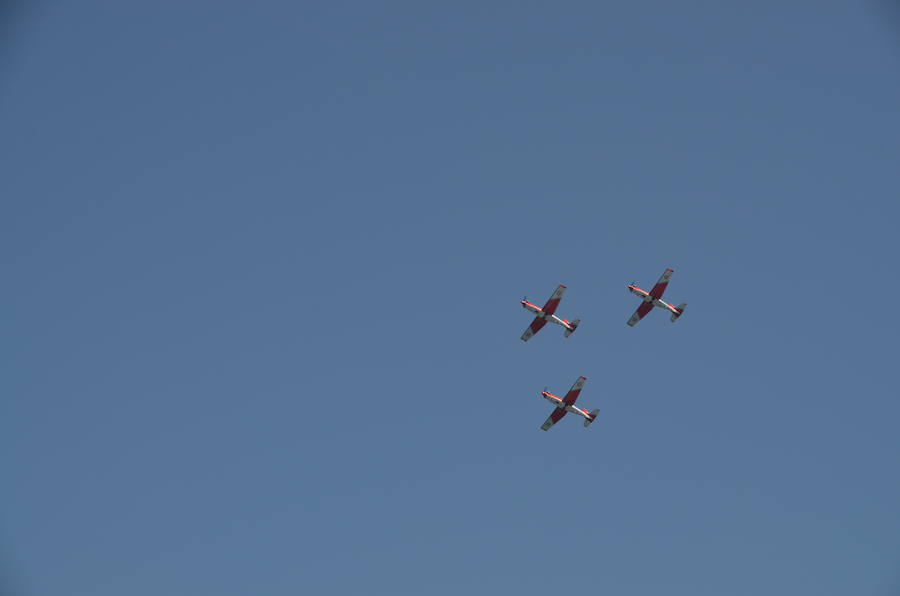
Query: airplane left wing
<point x="553" y="302"/>
<point x="555" y="416"/>
<point x="661" y="285"/>
<point x="572" y="395"/>
<point x="640" y="313"/>
<point x="535" y="326"/>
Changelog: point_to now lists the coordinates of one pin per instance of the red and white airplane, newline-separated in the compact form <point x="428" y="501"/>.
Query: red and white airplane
<point x="546" y="314"/>
<point x="654" y="298"/>
<point x="567" y="404"/>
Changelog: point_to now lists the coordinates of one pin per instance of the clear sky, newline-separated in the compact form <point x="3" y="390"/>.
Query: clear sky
<point x="262" y="263"/>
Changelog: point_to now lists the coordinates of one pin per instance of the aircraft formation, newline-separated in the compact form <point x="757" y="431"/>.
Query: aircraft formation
<point x="547" y="314"/>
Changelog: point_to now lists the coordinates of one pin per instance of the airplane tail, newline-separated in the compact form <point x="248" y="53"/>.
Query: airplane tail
<point x="573" y="325"/>
<point x="587" y="422"/>
<point x="680" y="309"/>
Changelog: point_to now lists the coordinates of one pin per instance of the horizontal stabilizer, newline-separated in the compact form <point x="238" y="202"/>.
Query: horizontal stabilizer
<point x="587" y="422"/>
<point x="573" y="325"/>
<point x="680" y="309"/>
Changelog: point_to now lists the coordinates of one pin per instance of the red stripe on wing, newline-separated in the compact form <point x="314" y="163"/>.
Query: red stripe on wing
<point x="660" y="286"/>
<point x="658" y="290"/>
<point x="571" y="396"/>
<point x="643" y="309"/>
<point x="537" y="324"/>
<point x="557" y="415"/>
<point x="551" y="306"/>
<point x="573" y="393"/>
<point x="553" y="303"/>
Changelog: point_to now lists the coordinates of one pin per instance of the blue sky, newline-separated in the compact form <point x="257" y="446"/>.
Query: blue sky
<point x="262" y="270"/>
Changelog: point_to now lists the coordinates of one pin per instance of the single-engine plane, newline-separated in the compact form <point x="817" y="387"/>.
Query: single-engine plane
<point x="654" y="298"/>
<point x="566" y="404"/>
<point x="545" y="314"/>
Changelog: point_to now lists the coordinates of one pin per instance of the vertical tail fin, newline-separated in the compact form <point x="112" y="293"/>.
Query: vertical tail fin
<point x="587" y="421"/>
<point x="680" y="309"/>
<point x="573" y="325"/>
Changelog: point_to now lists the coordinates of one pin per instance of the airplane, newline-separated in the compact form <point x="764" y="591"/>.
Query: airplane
<point x="567" y="404"/>
<point x="654" y="298"/>
<point x="546" y="314"/>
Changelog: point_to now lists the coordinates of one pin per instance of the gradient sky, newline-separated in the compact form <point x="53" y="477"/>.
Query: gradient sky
<point x="262" y="267"/>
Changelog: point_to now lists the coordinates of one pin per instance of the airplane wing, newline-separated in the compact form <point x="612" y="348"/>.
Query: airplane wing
<point x="553" y="302"/>
<point x="535" y="326"/>
<point x="572" y="395"/>
<point x="639" y="314"/>
<point x="661" y="285"/>
<point x="555" y="416"/>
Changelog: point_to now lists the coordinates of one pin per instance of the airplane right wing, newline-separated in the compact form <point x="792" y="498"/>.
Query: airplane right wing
<point x="572" y="395"/>
<point x="535" y="326"/>
<point x="555" y="416"/>
<point x="640" y="313"/>
<point x="661" y="285"/>
<point x="553" y="302"/>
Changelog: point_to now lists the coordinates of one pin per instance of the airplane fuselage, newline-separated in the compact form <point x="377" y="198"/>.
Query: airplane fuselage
<point x="539" y="312"/>
<point x="559" y="403"/>
<point x="646" y="297"/>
